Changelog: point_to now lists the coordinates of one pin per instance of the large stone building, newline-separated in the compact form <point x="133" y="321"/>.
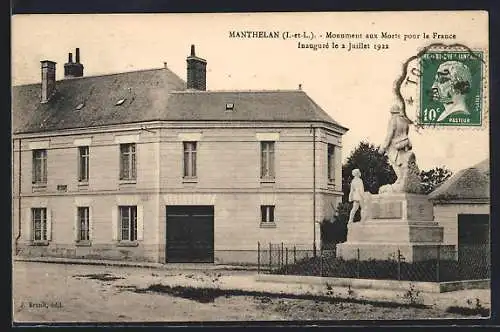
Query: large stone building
<point x="145" y="166"/>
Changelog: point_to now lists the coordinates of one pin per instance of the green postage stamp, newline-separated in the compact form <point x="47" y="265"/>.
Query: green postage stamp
<point x="451" y="88"/>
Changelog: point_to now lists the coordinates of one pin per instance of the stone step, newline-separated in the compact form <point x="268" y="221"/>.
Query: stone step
<point x="392" y="232"/>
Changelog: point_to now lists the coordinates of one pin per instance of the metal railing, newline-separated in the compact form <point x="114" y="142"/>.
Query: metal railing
<point x="468" y="262"/>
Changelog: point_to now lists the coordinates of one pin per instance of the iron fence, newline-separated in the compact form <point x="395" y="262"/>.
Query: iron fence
<point x="468" y="262"/>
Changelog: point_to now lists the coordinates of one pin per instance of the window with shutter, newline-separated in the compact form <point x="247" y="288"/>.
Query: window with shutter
<point x="128" y="223"/>
<point x="39" y="224"/>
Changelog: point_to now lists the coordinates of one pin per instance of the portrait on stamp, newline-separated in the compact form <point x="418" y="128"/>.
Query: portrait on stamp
<point x="451" y="88"/>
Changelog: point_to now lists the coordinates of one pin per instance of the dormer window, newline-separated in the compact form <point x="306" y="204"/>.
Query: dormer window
<point x="229" y="107"/>
<point x="119" y="102"/>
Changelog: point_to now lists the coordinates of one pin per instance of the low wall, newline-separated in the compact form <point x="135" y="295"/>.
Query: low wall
<point x="141" y="252"/>
<point x="451" y="286"/>
<point x="427" y="287"/>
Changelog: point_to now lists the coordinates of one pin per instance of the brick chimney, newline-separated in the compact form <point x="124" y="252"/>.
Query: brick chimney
<point x="73" y="69"/>
<point x="196" y="72"/>
<point x="48" y="80"/>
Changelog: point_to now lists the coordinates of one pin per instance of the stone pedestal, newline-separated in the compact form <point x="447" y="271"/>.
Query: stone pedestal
<point x="403" y="222"/>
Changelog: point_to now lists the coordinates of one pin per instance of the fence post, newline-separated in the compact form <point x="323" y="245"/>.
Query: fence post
<point x="438" y="259"/>
<point x="286" y="260"/>
<point x="399" y="264"/>
<point x="282" y="263"/>
<point x="258" y="257"/>
<point x="270" y="257"/>
<point x="321" y="260"/>
<point x="294" y="255"/>
<point x="357" y="262"/>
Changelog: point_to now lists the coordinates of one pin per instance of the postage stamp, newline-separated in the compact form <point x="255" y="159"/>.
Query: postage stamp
<point x="451" y="88"/>
<point x="445" y="86"/>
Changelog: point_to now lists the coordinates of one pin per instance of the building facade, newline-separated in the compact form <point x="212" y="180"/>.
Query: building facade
<point x="144" y="166"/>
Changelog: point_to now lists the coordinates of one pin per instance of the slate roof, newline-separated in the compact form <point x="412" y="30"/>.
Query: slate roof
<point x="472" y="183"/>
<point x="284" y="105"/>
<point x="156" y="94"/>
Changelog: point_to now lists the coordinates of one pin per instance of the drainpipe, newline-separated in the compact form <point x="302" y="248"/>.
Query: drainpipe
<point x="18" y="199"/>
<point x="314" y="189"/>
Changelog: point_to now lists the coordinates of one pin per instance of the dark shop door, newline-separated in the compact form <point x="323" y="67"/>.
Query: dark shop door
<point x="190" y="234"/>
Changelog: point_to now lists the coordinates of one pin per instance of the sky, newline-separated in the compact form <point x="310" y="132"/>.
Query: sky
<point x="354" y="87"/>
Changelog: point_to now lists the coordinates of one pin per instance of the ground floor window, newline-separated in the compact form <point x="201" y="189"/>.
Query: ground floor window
<point x="83" y="223"/>
<point x="39" y="223"/>
<point x="267" y="213"/>
<point x="128" y="223"/>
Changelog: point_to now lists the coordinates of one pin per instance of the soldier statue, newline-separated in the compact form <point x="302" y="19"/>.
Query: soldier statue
<point x="398" y="148"/>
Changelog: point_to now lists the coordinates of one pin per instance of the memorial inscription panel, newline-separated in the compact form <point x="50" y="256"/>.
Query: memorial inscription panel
<point x="387" y="210"/>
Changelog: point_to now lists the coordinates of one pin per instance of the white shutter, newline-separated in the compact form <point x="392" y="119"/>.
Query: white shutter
<point x="49" y="224"/>
<point x="140" y="222"/>
<point x="91" y="224"/>
<point x="28" y="223"/>
<point x="75" y="225"/>
<point x="114" y="223"/>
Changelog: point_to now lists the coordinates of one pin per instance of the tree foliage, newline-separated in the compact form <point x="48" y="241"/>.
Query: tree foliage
<point x="335" y="231"/>
<point x="375" y="169"/>
<point x="433" y="178"/>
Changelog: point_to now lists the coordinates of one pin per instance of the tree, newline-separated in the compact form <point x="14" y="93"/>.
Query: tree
<point x="375" y="169"/>
<point x="433" y="178"/>
<point x="335" y="231"/>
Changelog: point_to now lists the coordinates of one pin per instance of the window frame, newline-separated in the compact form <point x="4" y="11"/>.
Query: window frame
<point x="330" y="156"/>
<point x="189" y="159"/>
<point x="83" y="156"/>
<point x="131" y="223"/>
<point x="268" y="215"/>
<point x="128" y="152"/>
<point x="39" y="178"/>
<point x="86" y="218"/>
<point x="268" y="160"/>
<point x="43" y="220"/>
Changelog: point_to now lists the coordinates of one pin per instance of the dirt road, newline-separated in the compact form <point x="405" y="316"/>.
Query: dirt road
<point x="83" y="293"/>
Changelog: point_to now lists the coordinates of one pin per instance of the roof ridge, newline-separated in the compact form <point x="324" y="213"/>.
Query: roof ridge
<point x="100" y="75"/>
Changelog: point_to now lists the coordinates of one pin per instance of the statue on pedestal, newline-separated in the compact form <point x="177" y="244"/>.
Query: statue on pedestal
<point x="356" y="193"/>
<point x="360" y="198"/>
<point x="398" y="148"/>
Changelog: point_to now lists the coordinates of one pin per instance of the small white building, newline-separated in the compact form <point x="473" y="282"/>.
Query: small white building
<point x="462" y="207"/>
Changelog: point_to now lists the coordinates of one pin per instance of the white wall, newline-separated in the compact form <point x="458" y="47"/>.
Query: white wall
<point x="447" y="216"/>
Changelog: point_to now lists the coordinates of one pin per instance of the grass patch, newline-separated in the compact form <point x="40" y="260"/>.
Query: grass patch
<point x="465" y="311"/>
<point x="208" y="295"/>
<point x="99" y="276"/>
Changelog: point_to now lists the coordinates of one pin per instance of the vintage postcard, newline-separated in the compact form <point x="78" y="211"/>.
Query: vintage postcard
<point x="250" y="167"/>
